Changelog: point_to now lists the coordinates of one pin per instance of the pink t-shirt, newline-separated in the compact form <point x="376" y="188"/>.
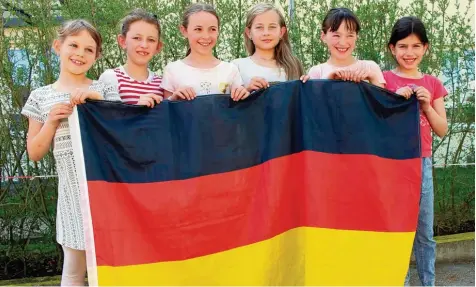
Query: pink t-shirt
<point x="436" y="89"/>
<point x="323" y="71"/>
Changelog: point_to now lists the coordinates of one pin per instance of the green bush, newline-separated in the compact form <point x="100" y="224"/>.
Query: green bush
<point x="27" y="207"/>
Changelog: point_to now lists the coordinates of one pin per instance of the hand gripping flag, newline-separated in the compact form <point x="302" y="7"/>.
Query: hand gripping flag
<point x="301" y="184"/>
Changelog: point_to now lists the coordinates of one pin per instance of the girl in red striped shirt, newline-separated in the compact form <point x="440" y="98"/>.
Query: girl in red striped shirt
<point x="140" y="39"/>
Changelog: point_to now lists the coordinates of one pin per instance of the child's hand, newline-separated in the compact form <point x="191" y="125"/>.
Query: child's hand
<point x="239" y="93"/>
<point x="356" y="75"/>
<point x="257" y="83"/>
<point x="57" y="113"/>
<point x="184" y="93"/>
<point x="79" y="96"/>
<point x="340" y="75"/>
<point x="304" y="78"/>
<point x="424" y="96"/>
<point x="405" y="92"/>
<point x="361" y="75"/>
<point x="149" y="100"/>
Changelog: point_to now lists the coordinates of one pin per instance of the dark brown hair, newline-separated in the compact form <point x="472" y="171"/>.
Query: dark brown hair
<point x="405" y="27"/>
<point x="336" y="16"/>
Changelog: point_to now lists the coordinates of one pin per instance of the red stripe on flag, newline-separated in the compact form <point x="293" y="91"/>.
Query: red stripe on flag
<point x="177" y="220"/>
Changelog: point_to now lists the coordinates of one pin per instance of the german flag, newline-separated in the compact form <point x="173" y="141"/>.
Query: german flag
<point x="301" y="184"/>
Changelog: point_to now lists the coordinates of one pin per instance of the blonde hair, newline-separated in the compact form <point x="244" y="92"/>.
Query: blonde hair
<point x="282" y="52"/>
<point x="195" y="8"/>
<point x="74" y="27"/>
<point x="139" y="15"/>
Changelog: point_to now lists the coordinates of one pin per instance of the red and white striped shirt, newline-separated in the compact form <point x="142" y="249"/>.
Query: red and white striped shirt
<point x="130" y="89"/>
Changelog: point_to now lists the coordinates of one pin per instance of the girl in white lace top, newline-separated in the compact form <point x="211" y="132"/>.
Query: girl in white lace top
<point x="48" y="109"/>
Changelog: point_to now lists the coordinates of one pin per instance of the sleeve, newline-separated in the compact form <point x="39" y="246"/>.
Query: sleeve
<point x="389" y="81"/>
<point x="32" y="108"/>
<point x="377" y="71"/>
<point x="168" y="81"/>
<point x="236" y="62"/>
<point x="315" y="72"/>
<point x="109" y="93"/>
<point x="236" y="79"/>
<point x="109" y="78"/>
<point x="439" y="90"/>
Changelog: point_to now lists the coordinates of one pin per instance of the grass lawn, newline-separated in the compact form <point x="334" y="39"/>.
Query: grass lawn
<point x="35" y="281"/>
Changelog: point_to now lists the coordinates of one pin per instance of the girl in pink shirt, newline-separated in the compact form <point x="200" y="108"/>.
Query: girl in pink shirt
<point x="408" y="44"/>
<point x="340" y="30"/>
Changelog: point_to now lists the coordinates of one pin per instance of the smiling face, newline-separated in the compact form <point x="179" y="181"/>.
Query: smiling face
<point x="141" y="42"/>
<point x="341" y="43"/>
<point x="409" y="52"/>
<point x="201" y="32"/>
<point x="77" y="53"/>
<point x="266" y="30"/>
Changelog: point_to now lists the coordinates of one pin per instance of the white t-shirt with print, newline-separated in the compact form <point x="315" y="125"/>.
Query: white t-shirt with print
<point x="217" y="80"/>
<point x="249" y="69"/>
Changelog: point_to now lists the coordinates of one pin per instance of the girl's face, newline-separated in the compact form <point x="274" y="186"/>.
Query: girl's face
<point x="409" y="52"/>
<point x="341" y="43"/>
<point x="141" y="42"/>
<point x="202" y="32"/>
<point x="77" y="53"/>
<point x="265" y="31"/>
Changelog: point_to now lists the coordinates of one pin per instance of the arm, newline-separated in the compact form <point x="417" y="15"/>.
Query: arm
<point x="436" y="116"/>
<point x="169" y="84"/>
<point x="41" y="135"/>
<point x="39" y="139"/>
<point x="376" y="76"/>
<point x="237" y="90"/>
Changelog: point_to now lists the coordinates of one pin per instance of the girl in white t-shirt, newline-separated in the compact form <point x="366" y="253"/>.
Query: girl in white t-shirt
<point x="267" y="43"/>
<point x="200" y="73"/>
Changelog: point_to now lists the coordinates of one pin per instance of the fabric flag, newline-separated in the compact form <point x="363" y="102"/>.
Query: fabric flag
<point x="300" y="184"/>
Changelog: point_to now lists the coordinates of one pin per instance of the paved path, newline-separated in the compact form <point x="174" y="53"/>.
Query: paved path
<point x="449" y="274"/>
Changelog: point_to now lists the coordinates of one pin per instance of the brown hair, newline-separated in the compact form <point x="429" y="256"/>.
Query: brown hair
<point x="195" y="8"/>
<point x="283" y="52"/>
<point x="336" y="16"/>
<point x="74" y="27"/>
<point x="138" y="15"/>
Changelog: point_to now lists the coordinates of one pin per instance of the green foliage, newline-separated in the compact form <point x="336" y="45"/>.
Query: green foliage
<point x="454" y="207"/>
<point x="27" y="207"/>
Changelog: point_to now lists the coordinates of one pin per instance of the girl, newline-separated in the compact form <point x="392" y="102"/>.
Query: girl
<point x="408" y="43"/>
<point x="78" y="46"/>
<point x="340" y="29"/>
<point x="200" y="73"/>
<point x="267" y="43"/>
<point x="140" y="38"/>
